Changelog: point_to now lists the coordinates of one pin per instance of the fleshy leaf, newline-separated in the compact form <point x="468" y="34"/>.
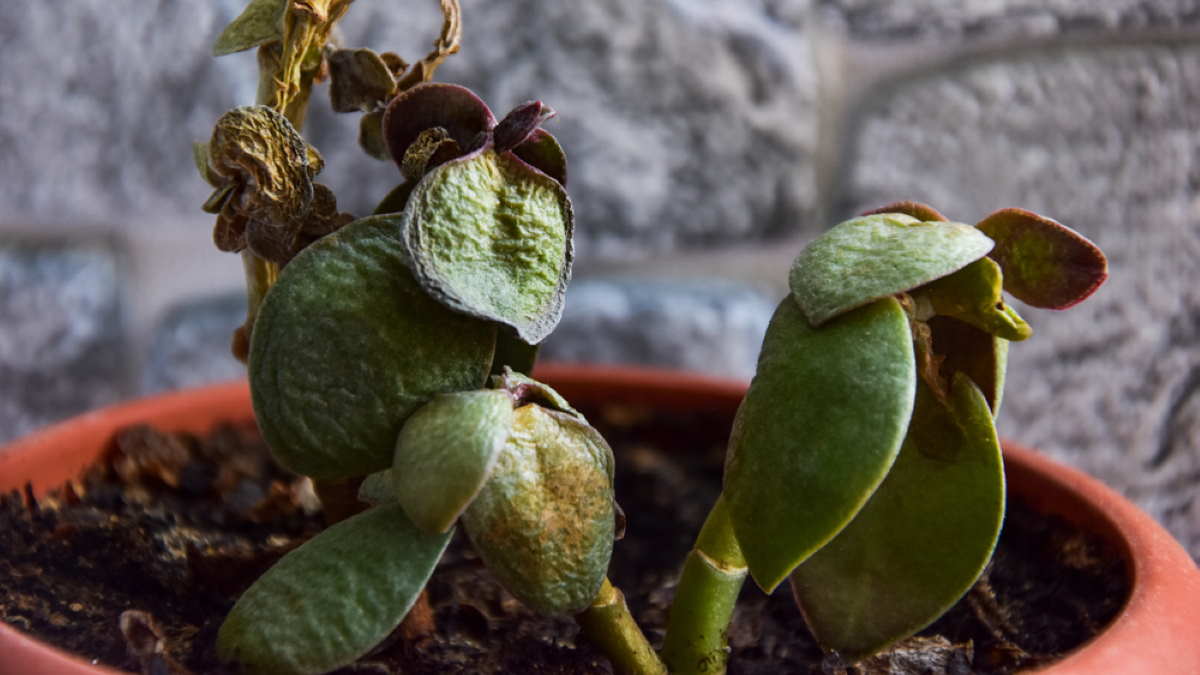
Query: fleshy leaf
<point x="378" y="488"/>
<point x="261" y="22"/>
<point x="333" y="599"/>
<point x="918" y="210"/>
<point x="922" y="540"/>
<point x="492" y="239"/>
<point x="456" y="109"/>
<point x="360" y="80"/>
<point x="817" y="432"/>
<point x="973" y="294"/>
<point x="370" y="136"/>
<point x="542" y="151"/>
<point x="544" y="523"/>
<point x="1046" y="263"/>
<point x="964" y="348"/>
<point x="870" y="257"/>
<point x="518" y="125"/>
<point x="446" y="452"/>
<point x="525" y="389"/>
<point x="347" y="346"/>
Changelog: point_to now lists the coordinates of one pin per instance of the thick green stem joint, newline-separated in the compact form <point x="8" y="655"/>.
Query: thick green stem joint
<point x="610" y="626"/>
<point x="697" y="631"/>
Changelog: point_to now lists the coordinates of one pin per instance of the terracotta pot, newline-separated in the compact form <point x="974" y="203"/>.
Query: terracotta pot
<point x="1155" y="632"/>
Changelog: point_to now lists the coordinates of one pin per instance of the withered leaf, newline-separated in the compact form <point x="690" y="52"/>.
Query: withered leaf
<point x="261" y="22"/>
<point x="360" y="80"/>
<point x="370" y="136"/>
<point x="456" y="109"/>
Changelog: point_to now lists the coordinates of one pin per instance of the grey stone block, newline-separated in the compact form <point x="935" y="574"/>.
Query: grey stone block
<point x="686" y="124"/>
<point x="957" y="21"/>
<point x="1104" y="140"/>
<point x="102" y="100"/>
<point x="191" y="344"/>
<point x="712" y="327"/>
<point x="62" y="346"/>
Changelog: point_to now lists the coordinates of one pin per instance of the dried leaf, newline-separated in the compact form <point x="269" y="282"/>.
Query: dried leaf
<point x="432" y="148"/>
<point x="456" y="109"/>
<point x="200" y="158"/>
<point x="1046" y="263"/>
<point x="370" y="136"/>
<point x="447" y="43"/>
<point x="360" y="80"/>
<point x="261" y="22"/>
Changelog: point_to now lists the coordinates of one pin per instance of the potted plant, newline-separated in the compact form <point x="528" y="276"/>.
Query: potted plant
<point x="389" y="355"/>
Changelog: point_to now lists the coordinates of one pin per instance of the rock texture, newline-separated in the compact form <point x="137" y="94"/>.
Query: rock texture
<point x="709" y="327"/>
<point x="191" y="345"/>
<point x="1104" y="140"/>
<point x="685" y="123"/>
<point x="62" y="347"/>
<point x="935" y="20"/>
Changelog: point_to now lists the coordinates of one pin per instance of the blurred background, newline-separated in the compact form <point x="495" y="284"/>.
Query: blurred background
<point x="708" y="139"/>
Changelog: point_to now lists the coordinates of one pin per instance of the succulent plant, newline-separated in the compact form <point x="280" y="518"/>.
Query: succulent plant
<point x="389" y="355"/>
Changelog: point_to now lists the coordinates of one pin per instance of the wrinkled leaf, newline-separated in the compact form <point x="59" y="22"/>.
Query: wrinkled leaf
<point x="918" y="210"/>
<point x="333" y="599"/>
<point x="542" y="151"/>
<point x="432" y="147"/>
<point x="817" y="432"/>
<point x="871" y="257"/>
<point x="346" y="347"/>
<point x="492" y="239"/>
<point x="1046" y="263"/>
<point x="922" y="540"/>
<point x="446" y="452"/>
<point x="973" y="295"/>
<point x="360" y="80"/>
<point x="261" y="22"/>
<point x="544" y="523"/>
<point x="456" y="109"/>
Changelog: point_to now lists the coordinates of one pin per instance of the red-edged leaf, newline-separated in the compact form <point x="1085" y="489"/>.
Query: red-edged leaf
<point x="1046" y="264"/>
<point x="922" y="212"/>
<point x="456" y="109"/>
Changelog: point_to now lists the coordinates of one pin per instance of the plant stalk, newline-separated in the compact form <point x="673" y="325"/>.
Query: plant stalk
<point x="610" y="626"/>
<point x="697" y="638"/>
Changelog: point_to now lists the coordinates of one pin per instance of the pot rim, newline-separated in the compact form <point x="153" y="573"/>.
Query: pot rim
<point x="1164" y="604"/>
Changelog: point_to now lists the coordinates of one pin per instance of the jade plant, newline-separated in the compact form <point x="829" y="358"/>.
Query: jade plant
<point x="389" y="359"/>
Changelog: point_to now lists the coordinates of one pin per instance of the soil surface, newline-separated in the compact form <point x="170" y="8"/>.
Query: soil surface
<point x="136" y="563"/>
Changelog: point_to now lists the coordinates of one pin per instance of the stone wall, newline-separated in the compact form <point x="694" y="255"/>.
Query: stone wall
<point x="709" y="140"/>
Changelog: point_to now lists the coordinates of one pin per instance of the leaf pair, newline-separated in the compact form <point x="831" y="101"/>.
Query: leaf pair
<point x="487" y="221"/>
<point x="531" y="479"/>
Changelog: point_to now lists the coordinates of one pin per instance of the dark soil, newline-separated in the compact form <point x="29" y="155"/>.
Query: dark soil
<point x="174" y="526"/>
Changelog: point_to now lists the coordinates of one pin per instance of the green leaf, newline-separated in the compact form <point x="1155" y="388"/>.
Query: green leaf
<point x="330" y="601"/>
<point x="346" y="347"/>
<point x="870" y="257"/>
<point x="817" y="432"/>
<point x="973" y="295"/>
<point x="908" y="207"/>
<point x="544" y="523"/>
<point x="446" y="452"/>
<point x="370" y="137"/>
<point x="922" y="540"/>
<point x="1046" y="263"/>
<point x="378" y="488"/>
<point x="492" y="239"/>
<point x="261" y="22"/>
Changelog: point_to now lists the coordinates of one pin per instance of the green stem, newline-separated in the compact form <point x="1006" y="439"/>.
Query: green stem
<point x="610" y="626"/>
<point x="697" y="631"/>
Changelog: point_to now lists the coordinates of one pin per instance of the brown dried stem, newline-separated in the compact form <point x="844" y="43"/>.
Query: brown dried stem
<point x="447" y="43"/>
